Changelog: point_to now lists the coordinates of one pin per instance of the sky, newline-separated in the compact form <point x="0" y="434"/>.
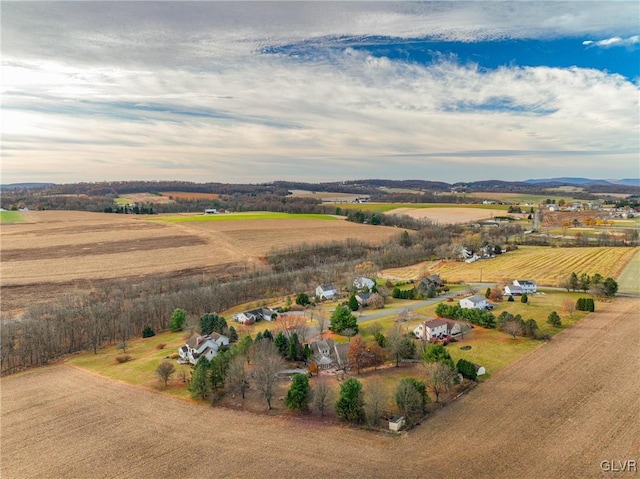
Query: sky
<point x="251" y="92"/>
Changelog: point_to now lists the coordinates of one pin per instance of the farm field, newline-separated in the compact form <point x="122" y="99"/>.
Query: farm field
<point x="143" y="198"/>
<point x="387" y="207"/>
<point x="327" y="196"/>
<point x="629" y="280"/>
<point x="523" y="198"/>
<point x="567" y="398"/>
<point x="55" y="251"/>
<point x="548" y="266"/>
<point x="11" y="217"/>
<point x="448" y="215"/>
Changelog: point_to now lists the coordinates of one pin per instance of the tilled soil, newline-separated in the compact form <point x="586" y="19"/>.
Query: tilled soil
<point x="556" y="413"/>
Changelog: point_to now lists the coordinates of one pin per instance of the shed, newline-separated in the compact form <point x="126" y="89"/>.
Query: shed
<point x="396" y="423"/>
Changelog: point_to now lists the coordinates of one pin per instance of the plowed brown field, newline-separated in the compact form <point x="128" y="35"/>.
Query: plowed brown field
<point x="55" y="251"/>
<point x="556" y="413"/>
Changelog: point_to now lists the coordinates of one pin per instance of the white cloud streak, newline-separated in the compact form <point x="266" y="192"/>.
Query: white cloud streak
<point x="614" y="42"/>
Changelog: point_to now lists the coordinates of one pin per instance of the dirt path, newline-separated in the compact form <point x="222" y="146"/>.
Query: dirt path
<point x="558" y="412"/>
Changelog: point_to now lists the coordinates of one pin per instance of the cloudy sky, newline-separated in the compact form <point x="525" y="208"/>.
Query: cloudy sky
<point x="259" y="91"/>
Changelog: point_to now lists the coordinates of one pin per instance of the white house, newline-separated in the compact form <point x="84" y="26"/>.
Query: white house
<point x="361" y="283"/>
<point x="250" y="317"/>
<point x="326" y="291"/>
<point x="202" y="346"/>
<point x="512" y="290"/>
<point x="474" y="302"/>
<point x="527" y="285"/>
<point x="436" y="329"/>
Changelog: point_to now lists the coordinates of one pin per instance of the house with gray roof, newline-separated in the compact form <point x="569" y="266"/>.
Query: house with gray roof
<point x="199" y="346"/>
<point x="474" y="302"/>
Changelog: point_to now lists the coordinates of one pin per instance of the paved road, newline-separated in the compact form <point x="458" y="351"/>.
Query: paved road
<point x="371" y="315"/>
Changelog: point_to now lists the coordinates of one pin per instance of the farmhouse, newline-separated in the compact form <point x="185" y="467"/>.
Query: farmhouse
<point x="210" y="211"/>
<point x="512" y="290"/>
<point x="250" y="317"/>
<point x="326" y="291"/>
<point x="363" y="284"/>
<point x="327" y="354"/>
<point x="434" y="329"/>
<point x="474" y="302"/>
<point x="202" y="346"/>
<point x="527" y="285"/>
<point x="432" y="279"/>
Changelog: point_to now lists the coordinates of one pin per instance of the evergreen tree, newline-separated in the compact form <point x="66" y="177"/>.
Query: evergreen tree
<point x="178" y="317"/>
<point x="302" y="299"/>
<point x="436" y="353"/>
<point x="295" y="348"/>
<point x="148" y="332"/>
<point x="353" y="303"/>
<point x="299" y="394"/>
<point x="530" y="328"/>
<point x="467" y="369"/>
<point x="282" y="343"/>
<point x="487" y="293"/>
<point x="211" y="322"/>
<point x="342" y="319"/>
<point x="350" y="404"/>
<point x="199" y="383"/>
<point x="233" y="334"/>
<point x="573" y="281"/>
<point x="610" y="287"/>
<point x="524" y="298"/>
<point x="554" y="320"/>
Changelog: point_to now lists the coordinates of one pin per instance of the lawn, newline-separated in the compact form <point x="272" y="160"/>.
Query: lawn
<point x="11" y="217"/>
<point x="240" y="217"/>
<point x="140" y="370"/>
<point x="629" y="280"/>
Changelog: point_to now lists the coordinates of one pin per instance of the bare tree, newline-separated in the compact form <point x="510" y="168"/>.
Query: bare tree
<point x="439" y="377"/>
<point x="376" y="396"/>
<point x="322" y="395"/>
<point x="267" y="363"/>
<point x="237" y="376"/>
<point x="514" y="328"/>
<point x="569" y="306"/>
<point x="322" y="324"/>
<point x="291" y="324"/>
<point x="165" y="370"/>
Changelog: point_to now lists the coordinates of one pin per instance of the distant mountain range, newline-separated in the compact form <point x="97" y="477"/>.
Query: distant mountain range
<point x="586" y="181"/>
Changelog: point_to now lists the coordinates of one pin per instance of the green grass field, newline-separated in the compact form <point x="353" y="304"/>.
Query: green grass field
<point x="629" y="279"/>
<point x="140" y="370"/>
<point x="11" y="217"/>
<point x="122" y="201"/>
<point x="241" y="217"/>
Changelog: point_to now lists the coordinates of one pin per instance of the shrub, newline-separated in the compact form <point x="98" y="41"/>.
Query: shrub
<point x="467" y="369"/>
<point x="554" y="320"/>
<point x="123" y="358"/>
<point x="148" y="332"/>
<point x="585" y="304"/>
<point x="511" y="300"/>
<point x="161" y="345"/>
<point x="524" y="298"/>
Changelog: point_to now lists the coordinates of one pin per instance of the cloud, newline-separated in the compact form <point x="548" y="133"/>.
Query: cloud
<point x="614" y="42"/>
<point x="158" y="90"/>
